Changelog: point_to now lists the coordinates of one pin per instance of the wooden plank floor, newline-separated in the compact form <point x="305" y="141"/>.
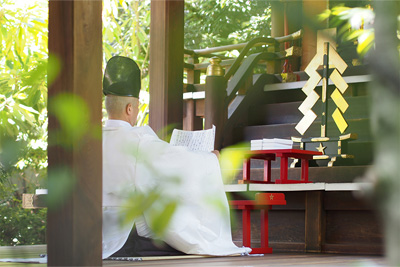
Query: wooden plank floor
<point x="275" y="259"/>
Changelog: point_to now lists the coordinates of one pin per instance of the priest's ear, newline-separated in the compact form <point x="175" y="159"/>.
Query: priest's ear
<point x="128" y="109"/>
<point x="132" y="107"/>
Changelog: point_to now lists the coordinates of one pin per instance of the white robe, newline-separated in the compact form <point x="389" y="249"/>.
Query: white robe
<point x="134" y="158"/>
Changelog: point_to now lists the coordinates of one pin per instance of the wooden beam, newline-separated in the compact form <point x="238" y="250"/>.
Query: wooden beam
<point x="74" y="225"/>
<point x="166" y="65"/>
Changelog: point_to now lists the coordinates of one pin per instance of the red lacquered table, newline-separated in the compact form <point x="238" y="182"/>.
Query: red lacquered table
<point x="262" y="202"/>
<point x="283" y="154"/>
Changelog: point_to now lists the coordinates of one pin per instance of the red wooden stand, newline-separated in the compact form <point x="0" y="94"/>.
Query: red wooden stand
<point x="263" y="202"/>
<point x="284" y="154"/>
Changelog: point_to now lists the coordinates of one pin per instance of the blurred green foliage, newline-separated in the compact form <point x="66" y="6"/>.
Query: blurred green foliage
<point x="223" y="22"/>
<point x="354" y="25"/>
<point x="19" y="226"/>
<point x="23" y="117"/>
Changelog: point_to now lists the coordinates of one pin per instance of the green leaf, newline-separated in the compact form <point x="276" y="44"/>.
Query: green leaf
<point x="60" y="184"/>
<point x="34" y="99"/>
<point x="160" y="221"/>
<point x="73" y="114"/>
<point x="29" y="109"/>
<point x="355" y="34"/>
<point x="367" y="43"/>
<point x="10" y="151"/>
<point x="53" y="68"/>
<point x="10" y="64"/>
<point x="137" y="204"/>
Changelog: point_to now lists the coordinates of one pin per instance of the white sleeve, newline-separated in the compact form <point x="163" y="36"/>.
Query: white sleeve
<point x="200" y="223"/>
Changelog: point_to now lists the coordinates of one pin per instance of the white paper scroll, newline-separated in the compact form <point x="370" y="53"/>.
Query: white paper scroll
<point x="202" y="140"/>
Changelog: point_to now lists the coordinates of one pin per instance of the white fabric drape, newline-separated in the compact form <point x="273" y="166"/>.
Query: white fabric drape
<point x="134" y="158"/>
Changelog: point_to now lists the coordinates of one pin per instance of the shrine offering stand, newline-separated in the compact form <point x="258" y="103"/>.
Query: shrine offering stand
<point x="284" y="155"/>
<point x="262" y="202"/>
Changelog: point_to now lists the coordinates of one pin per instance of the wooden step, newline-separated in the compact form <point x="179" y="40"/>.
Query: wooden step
<point x="359" y="126"/>
<point x="280" y="113"/>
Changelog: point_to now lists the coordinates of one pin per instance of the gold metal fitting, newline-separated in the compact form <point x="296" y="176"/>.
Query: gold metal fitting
<point x="215" y="68"/>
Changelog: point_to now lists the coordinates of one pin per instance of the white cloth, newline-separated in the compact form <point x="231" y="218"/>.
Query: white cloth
<point x="134" y="158"/>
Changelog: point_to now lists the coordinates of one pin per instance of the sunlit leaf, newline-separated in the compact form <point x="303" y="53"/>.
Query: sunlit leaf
<point x="366" y="44"/>
<point x="355" y="34"/>
<point x="73" y="114"/>
<point x="231" y="159"/>
<point x="60" y="184"/>
<point x="137" y="204"/>
<point x="10" y="151"/>
<point x="30" y="109"/>
<point x="10" y="63"/>
<point x="161" y="220"/>
<point x="53" y="68"/>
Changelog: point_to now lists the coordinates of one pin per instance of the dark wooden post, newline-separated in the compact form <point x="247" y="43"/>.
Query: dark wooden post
<point x="166" y="65"/>
<point x="74" y="224"/>
<point x="215" y="112"/>
<point x="192" y="122"/>
<point x="277" y="30"/>
<point x="315" y="221"/>
<point x="193" y="76"/>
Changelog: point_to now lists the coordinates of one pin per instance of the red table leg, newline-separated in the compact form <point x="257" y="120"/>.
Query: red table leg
<point x="304" y="170"/>
<point x="267" y="171"/>
<point x="246" y="170"/>
<point x="284" y="170"/>
<point x="246" y="227"/>
<point x="264" y="228"/>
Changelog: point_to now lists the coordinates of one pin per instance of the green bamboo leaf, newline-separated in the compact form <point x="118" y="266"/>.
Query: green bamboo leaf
<point x="109" y="35"/>
<point x="73" y="114"/>
<point x="23" y="116"/>
<point x="40" y="23"/>
<point x="367" y="43"/>
<point x="60" y="185"/>
<point x="10" y="151"/>
<point x="161" y="221"/>
<point x="141" y="36"/>
<point x="29" y="109"/>
<point x="53" y="68"/>
<point x="137" y="204"/>
<point x="353" y="35"/>
<point x="10" y="64"/>
<point x="19" y="58"/>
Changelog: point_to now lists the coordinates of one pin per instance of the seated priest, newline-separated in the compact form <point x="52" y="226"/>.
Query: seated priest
<point x="159" y="181"/>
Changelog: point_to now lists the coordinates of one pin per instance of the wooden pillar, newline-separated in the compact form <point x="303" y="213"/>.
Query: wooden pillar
<point x="315" y="221"/>
<point x="166" y="65"/>
<point x="277" y="30"/>
<point x="191" y="122"/>
<point x="294" y="20"/>
<point x="74" y="219"/>
<point x="215" y="112"/>
<point x="311" y="9"/>
<point x="277" y="16"/>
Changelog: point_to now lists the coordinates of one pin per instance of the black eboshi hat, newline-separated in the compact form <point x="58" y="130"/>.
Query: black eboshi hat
<point x="121" y="77"/>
